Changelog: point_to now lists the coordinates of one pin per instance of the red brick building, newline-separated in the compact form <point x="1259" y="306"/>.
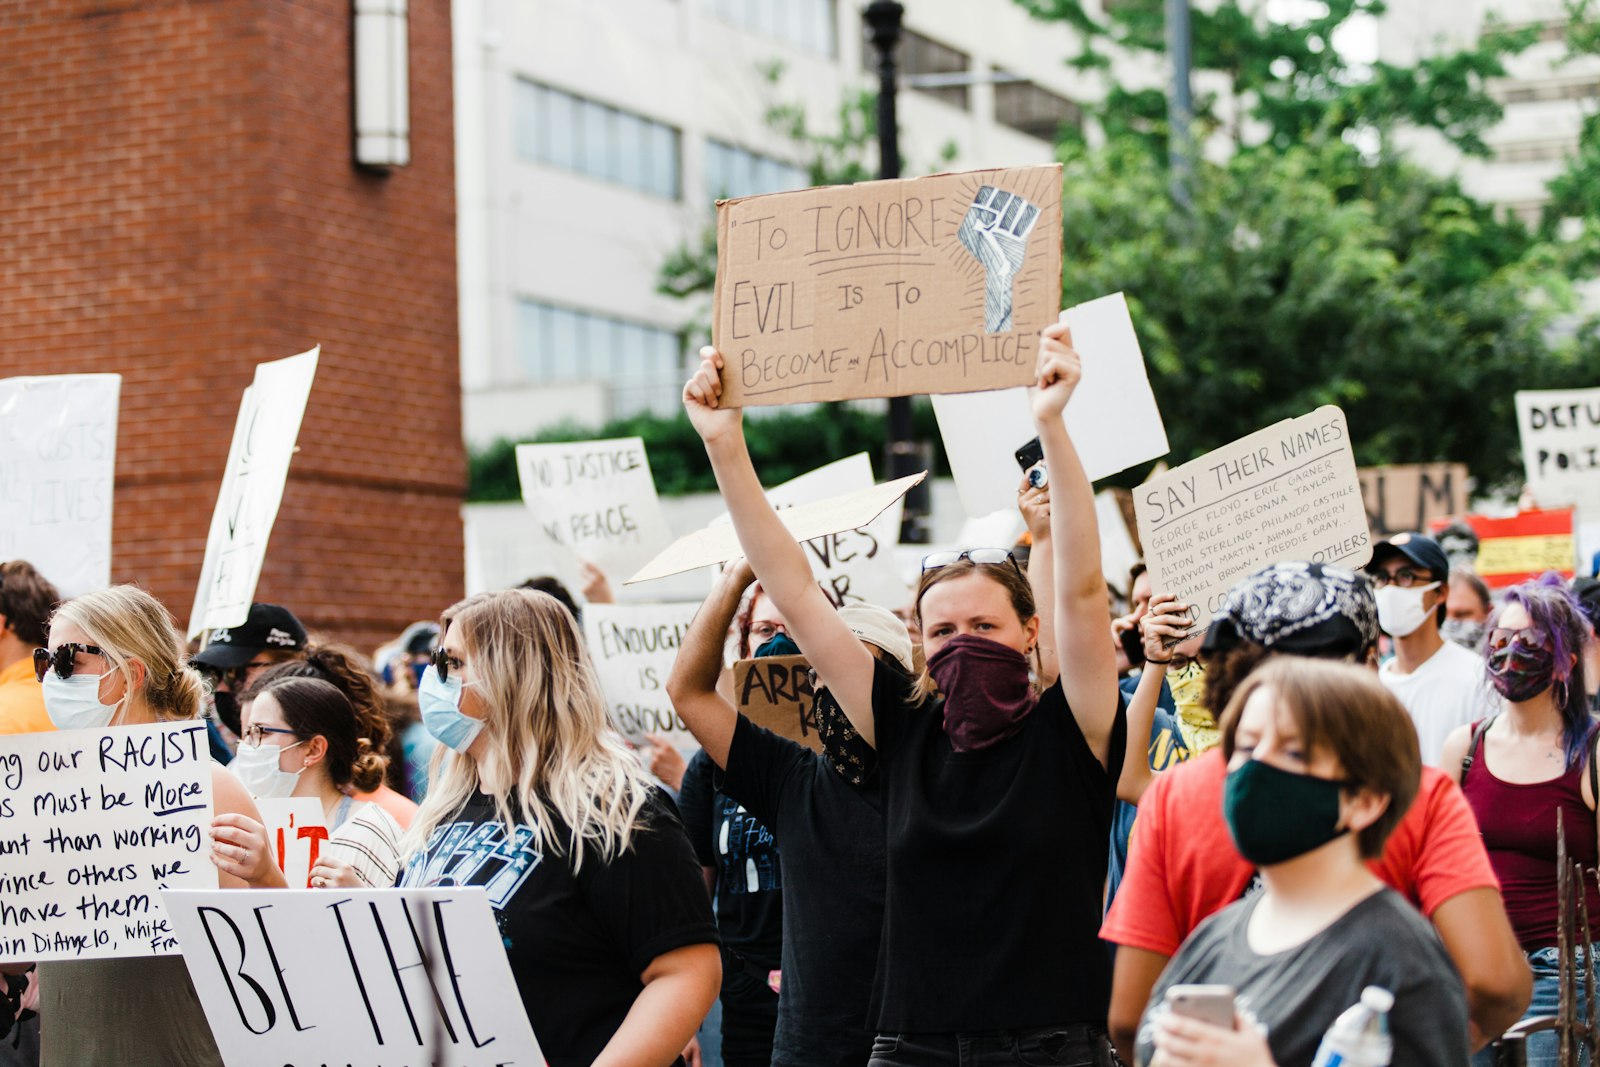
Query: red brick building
<point x="179" y="201"/>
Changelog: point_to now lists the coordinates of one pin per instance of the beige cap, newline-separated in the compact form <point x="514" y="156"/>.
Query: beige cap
<point x="879" y="626"/>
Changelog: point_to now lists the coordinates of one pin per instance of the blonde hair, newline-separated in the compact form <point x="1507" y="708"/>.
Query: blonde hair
<point x="547" y="732"/>
<point x="129" y="624"/>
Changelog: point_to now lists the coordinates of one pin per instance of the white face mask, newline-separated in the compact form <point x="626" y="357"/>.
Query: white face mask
<point x="74" y="703"/>
<point x="1400" y="611"/>
<point x="257" y="768"/>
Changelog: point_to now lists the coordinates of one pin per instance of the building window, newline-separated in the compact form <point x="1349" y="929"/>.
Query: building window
<point x="1527" y="94"/>
<point x="921" y="55"/>
<point x="731" y="171"/>
<point x="642" y="364"/>
<point x="570" y="132"/>
<point x="1037" y="112"/>
<point x="806" y="24"/>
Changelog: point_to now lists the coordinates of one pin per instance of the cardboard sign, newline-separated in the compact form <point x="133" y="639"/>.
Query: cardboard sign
<point x="58" y="452"/>
<point x="718" y="543"/>
<point x="852" y="566"/>
<point x="776" y="693"/>
<point x="632" y="647"/>
<point x="1411" y="496"/>
<point x="1288" y="492"/>
<point x="296" y="829"/>
<point x="890" y="288"/>
<point x="252" y="488"/>
<point x="361" y="978"/>
<point x="1522" y="547"/>
<point x="93" y="824"/>
<point x="597" y="498"/>
<point x="1112" y="415"/>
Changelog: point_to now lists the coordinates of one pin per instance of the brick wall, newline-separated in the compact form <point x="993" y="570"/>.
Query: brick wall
<point x="178" y="202"/>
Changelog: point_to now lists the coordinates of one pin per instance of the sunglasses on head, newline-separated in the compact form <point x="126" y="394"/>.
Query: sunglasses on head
<point x="991" y="556"/>
<point x="61" y="660"/>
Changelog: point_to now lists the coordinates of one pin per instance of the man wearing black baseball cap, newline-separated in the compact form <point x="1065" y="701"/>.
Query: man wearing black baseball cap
<point x="235" y="656"/>
<point x="1439" y="682"/>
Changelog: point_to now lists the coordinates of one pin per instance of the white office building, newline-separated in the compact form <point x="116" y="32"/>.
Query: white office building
<point x="594" y="135"/>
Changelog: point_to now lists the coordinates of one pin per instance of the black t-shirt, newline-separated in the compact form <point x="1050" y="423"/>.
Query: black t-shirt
<point x="744" y="852"/>
<point x="832" y="835"/>
<point x="1298" y="993"/>
<point x="577" y="943"/>
<point x="997" y="862"/>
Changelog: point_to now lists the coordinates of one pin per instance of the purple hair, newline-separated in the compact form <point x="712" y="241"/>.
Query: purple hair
<point x="1551" y="607"/>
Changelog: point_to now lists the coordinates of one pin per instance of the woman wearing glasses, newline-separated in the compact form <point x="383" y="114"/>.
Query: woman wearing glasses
<point x="302" y="738"/>
<point x="598" y="895"/>
<point x="1521" y="767"/>
<point x="997" y="798"/>
<point x="116" y="660"/>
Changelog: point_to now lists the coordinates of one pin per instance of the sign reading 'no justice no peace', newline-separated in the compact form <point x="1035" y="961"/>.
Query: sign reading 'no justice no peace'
<point x="925" y="285"/>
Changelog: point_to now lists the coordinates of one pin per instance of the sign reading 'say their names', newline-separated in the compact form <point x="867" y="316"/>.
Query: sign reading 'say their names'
<point x="93" y="824"/>
<point x="1287" y="492"/>
<point x="926" y="285"/>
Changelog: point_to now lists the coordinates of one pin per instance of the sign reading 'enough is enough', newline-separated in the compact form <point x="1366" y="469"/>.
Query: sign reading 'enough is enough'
<point x="928" y="285"/>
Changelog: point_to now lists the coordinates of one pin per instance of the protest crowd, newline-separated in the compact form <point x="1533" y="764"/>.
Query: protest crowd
<point x="1031" y="828"/>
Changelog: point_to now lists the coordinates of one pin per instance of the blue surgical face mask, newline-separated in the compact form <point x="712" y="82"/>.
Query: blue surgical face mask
<point x="440" y="704"/>
<point x="74" y="703"/>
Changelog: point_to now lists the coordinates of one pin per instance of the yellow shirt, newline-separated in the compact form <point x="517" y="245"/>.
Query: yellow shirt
<point x="22" y="701"/>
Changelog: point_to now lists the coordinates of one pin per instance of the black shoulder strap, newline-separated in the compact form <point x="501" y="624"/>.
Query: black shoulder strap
<point x="1477" y="739"/>
<point x="1594" y="774"/>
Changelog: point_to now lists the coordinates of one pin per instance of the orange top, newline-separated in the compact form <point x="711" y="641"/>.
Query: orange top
<point x="22" y="701"/>
<point x="399" y="807"/>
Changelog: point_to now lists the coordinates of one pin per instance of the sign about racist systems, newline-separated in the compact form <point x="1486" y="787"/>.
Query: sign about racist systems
<point x="296" y="828"/>
<point x="1286" y="492"/>
<point x="58" y="451"/>
<point x="93" y="825"/>
<point x="778" y="693"/>
<point x="597" y="498"/>
<point x="889" y="288"/>
<point x="632" y="647"/>
<point x="1410" y="496"/>
<point x="252" y="488"/>
<point x="361" y="978"/>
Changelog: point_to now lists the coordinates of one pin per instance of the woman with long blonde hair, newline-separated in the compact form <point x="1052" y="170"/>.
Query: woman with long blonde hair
<point x="595" y="887"/>
<point x="115" y="659"/>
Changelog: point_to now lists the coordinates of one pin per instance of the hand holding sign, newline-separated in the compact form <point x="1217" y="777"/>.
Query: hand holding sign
<point x="702" y="399"/>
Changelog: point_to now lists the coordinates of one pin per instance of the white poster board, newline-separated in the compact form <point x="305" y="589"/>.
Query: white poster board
<point x="1112" y="415"/>
<point x="1560" y="431"/>
<point x="359" y="978"/>
<point x="852" y="566"/>
<point x="597" y="498"/>
<point x="58" y="455"/>
<point x="1288" y="492"/>
<point x="252" y="488"/>
<point x="296" y="829"/>
<point x="633" y="646"/>
<point x="93" y="824"/>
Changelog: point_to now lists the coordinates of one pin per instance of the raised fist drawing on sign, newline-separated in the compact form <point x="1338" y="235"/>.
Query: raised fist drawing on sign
<point x="995" y="230"/>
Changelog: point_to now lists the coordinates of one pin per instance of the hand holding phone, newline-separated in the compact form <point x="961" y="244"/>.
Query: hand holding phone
<point x="1208" y="1003"/>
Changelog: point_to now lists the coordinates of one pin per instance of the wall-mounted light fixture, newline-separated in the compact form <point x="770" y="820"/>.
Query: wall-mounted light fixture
<point x="382" y="78"/>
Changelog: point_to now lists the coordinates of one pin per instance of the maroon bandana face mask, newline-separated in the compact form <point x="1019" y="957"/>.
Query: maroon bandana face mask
<point x="986" y="691"/>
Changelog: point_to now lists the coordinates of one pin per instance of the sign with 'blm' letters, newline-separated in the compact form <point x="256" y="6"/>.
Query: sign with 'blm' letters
<point x="889" y="288"/>
<point x="363" y="978"/>
<point x="1288" y="492"/>
<point x="93" y="825"/>
<point x="597" y="498"/>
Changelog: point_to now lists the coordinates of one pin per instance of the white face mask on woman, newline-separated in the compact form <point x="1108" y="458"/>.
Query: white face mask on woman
<point x="74" y="703"/>
<point x="257" y="768"/>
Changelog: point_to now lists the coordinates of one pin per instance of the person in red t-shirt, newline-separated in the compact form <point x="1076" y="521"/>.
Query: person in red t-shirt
<point x="1183" y="867"/>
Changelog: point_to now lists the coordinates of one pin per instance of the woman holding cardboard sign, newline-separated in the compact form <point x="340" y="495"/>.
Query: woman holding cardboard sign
<point x="606" y="921"/>
<point x="116" y="660"/>
<point x="997" y="799"/>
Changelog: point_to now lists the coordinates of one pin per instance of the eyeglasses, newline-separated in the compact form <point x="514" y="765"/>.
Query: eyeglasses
<point x="444" y="663"/>
<point x="991" y="556"/>
<point x="1405" y="578"/>
<point x="765" y="631"/>
<point x="255" y="733"/>
<point x="61" y="659"/>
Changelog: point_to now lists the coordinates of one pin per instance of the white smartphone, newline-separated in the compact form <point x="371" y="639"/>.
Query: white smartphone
<point x="1209" y="1003"/>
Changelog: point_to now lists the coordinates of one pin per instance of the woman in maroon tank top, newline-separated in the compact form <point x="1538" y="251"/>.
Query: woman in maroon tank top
<point x="1528" y="763"/>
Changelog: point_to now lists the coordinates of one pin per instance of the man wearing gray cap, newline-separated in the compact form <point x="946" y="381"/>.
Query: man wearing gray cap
<point x="1440" y="683"/>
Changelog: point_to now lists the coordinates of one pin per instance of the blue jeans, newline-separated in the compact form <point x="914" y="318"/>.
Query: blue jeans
<point x="1050" y="1046"/>
<point x="1544" y="1048"/>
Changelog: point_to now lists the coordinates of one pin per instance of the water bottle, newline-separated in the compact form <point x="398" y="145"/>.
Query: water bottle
<point x="1360" y="1036"/>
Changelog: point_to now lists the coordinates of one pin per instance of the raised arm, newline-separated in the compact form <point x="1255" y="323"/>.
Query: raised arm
<point x="1165" y="619"/>
<point x="1088" y="662"/>
<point x="841" y="661"/>
<point x="692" y="685"/>
<point x="1034" y="503"/>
